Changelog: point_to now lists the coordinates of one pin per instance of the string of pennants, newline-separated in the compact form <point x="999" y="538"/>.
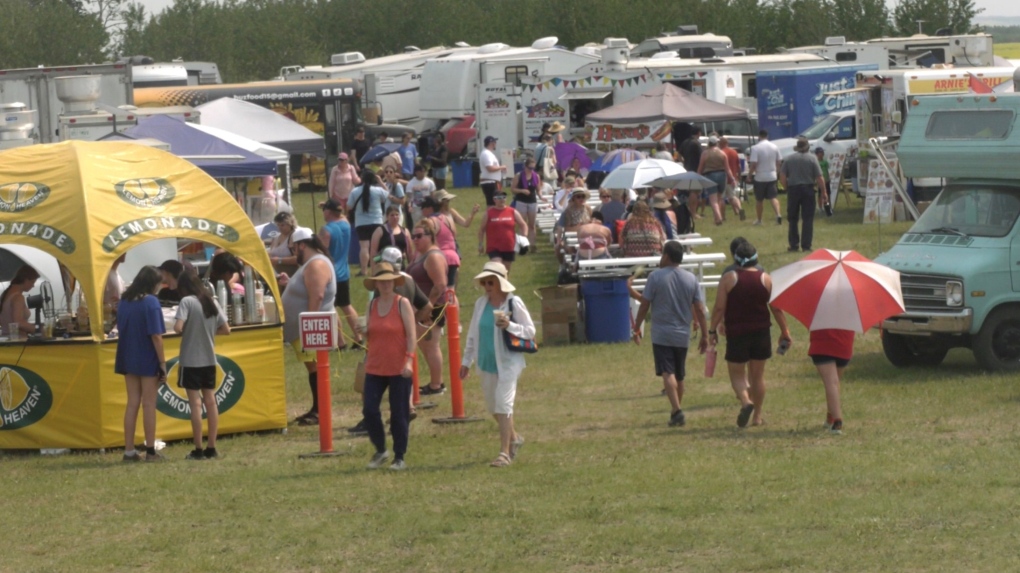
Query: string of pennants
<point x="596" y="81"/>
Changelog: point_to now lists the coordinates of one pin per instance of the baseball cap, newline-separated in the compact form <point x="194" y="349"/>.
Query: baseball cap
<point x="393" y="256"/>
<point x="489" y="139"/>
<point x="342" y="156"/>
<point x="331" y="205"/>
<point x="302" y="234"/>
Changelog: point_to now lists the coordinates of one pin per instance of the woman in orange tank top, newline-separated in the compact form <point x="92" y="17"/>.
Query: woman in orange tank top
<point x="390" y="334"/>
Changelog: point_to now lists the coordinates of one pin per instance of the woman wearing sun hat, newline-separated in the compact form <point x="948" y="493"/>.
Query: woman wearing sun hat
<point x="389" y="330"/>
<point x="498" y="310"/>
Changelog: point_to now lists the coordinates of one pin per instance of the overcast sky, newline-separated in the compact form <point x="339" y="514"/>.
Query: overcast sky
<point x="992" y="7"/>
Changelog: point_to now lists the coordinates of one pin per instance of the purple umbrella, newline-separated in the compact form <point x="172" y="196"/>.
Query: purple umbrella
<point x="568" y="151"/>
<point x="616" y="158"/>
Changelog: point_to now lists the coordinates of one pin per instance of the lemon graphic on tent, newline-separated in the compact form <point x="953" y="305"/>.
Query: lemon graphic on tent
<point x="16" y="197"/>
<point x="13" y="389"/>
<point x="145" y="192"/>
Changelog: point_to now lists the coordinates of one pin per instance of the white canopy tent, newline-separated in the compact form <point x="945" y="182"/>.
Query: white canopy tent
<point x="262" y="125"/>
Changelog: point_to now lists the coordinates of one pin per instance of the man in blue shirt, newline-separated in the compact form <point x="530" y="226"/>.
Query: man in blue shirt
<point x="336" y="236"/>
<point x="408" y="156"/>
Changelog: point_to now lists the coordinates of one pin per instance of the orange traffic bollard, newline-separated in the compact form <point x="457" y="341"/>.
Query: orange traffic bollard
<point x="453" y="350"/>
<point x="415" y="393"/>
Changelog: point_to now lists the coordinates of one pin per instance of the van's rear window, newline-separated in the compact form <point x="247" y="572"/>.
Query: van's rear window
<point x="970" y="124"/>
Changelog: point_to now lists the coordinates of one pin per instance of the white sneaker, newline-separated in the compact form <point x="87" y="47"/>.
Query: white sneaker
<point x="756" y="223"/>
<point x="378" y="460"/>
<point x="398" y="466"/>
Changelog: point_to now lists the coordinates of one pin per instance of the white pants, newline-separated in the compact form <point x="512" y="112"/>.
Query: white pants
<point x="499" y="397"/>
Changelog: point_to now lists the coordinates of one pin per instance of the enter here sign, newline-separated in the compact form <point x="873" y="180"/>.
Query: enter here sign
<point x="318" y="330"/>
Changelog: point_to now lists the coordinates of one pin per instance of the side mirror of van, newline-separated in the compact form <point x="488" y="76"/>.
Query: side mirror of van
<point x="829" y="137"/>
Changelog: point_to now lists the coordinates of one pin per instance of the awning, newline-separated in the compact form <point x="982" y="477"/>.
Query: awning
<point x="851" y="90"/>
<point x="586" y="95"/>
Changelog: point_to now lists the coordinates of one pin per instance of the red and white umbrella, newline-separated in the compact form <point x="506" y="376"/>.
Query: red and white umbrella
<point x="837" y="289"/>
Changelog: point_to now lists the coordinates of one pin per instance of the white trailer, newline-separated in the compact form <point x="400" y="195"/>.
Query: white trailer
<point x="37" y="89"/>
<point x="391" y="82"/>
<point x="918" y="51"/>
<point x="449" y="85"/>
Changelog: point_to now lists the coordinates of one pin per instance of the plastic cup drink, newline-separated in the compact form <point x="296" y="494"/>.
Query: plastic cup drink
<point x="13" y="331"/>
<point x="498" y="315"/>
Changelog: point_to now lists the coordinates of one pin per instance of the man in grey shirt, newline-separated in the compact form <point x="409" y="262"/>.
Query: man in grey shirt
<point x="675" y="299"/>
<point x="799" y="174"/>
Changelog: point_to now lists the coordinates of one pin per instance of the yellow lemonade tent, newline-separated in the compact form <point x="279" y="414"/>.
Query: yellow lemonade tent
<point x="86" y="204"/>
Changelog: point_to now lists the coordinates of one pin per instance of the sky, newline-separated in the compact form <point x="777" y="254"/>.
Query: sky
<point x="992" y="8"/>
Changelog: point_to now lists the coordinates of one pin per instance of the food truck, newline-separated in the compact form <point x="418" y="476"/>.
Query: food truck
<point x="86" y="204"/>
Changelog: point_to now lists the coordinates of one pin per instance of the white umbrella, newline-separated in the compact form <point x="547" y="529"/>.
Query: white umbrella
<point x="640" y="173"/>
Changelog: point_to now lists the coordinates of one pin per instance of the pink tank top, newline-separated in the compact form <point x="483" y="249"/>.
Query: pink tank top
<point x="446" y="241"/>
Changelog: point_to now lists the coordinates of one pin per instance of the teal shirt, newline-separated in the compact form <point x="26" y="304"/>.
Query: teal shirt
<point x="487" y="341"/>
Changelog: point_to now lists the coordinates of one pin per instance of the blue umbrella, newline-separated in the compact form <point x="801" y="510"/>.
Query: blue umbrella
<point x="686" y="181"/>
<point x="616" y="158"/>
<point x="379" y="151"/>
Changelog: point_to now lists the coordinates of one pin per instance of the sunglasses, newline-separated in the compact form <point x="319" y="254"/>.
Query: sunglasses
<point x="605" y="196"/>
<point x="419" y="235"/>
<point x="488" y="282"/>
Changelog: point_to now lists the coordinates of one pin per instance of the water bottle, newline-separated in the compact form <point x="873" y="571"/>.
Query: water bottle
<point x="710" y="356"/>
<point x="784" y="345"/>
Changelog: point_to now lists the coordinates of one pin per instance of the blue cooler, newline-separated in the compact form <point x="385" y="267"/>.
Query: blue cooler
<point x="461" y="173"/>
<point x="606" y="308"/>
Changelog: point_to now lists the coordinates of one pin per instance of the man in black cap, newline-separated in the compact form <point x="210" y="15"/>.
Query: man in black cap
<point x="492" y="171"/>
<point x="799" y="174"/>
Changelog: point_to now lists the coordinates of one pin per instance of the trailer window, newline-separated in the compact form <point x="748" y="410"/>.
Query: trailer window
<point x="846" y="56"/>
<point x="513" y="74"/>
<point x="970" y="124"/>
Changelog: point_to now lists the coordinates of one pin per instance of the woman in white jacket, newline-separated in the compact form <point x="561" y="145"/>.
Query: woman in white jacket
<point x="498" y="367"/>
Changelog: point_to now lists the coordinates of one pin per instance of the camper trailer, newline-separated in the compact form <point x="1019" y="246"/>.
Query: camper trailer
<point x="919" y="51"/>
<point x="392" y="83"/>
<point x="449" y="86"/>
<point x="681" y="45"/>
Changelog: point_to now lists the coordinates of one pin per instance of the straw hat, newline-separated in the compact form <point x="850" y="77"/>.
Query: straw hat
<point x="556" y="127"/>
<point x="383" y="271"/>
<point x="579" y="191"/>
<point x="802" y="144"/>
<point x="442" y="195"/>
<point x="659" y="201"/>
<point x="494" y="269"/>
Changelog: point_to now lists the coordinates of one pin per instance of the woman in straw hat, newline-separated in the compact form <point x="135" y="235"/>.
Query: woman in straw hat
<point x="389" y="330"/>
<point x="499" y="368"/>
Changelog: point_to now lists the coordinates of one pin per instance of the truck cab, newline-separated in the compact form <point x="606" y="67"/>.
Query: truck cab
<point x="960" y="262"/>
<point x="835" y="133"/>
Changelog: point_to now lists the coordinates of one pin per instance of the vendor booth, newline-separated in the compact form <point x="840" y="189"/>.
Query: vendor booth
<point x="648" y="119"/>
<point x="86" y="204"/>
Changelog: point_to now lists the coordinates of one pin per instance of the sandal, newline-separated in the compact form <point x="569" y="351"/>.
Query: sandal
<point x="515" y="446"/>
<point x="501" y="461"/>
<point x="309" y="419"/>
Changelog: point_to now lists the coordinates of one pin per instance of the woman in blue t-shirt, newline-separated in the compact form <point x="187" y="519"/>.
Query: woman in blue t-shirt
<point x="366" y="205"/>
<point x="140" y="358"/>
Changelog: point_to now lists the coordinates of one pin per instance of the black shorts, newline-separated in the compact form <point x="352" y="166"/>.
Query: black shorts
<point x="438" y="312"/>
<point x="670" y="360"/>
<point x="765" y="190"/>
<point x="451" y="275"/>
<point x="196" y="377"/>
<point x="343" y="294"/>
<point x="508" y="256"/>
<point x="819" y="359"/>
<point x="751" y="346"/>
<point x="489" y="189"/>
<point x="365" y="232"/>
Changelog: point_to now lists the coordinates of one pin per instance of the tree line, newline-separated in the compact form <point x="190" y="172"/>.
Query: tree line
<point x="252" y="39"/>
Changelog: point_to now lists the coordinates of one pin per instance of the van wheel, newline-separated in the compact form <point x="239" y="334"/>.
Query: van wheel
<point x="997" y="346"/>
<point x="911" y="351"/>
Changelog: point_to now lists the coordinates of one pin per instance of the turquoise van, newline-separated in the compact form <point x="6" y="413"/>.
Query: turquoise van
<point x="960" y="262"/>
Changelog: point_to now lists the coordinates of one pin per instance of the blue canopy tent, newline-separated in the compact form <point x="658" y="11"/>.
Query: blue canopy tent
<point x="210" y="153"/>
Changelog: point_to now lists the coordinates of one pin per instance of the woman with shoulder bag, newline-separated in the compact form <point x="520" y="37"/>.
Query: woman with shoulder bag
<point x="525" y="189"/>
<point x="499" y="367"/>
<point x="390" y="332"/>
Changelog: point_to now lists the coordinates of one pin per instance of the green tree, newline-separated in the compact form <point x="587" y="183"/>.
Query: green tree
<point x="48" y="32"/>
<point x="957" y="15"/>
<point x="858" y="20"/>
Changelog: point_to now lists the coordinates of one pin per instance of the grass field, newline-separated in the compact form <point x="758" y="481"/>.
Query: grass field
<point x="923" y="479"/>
<point x="1008" y="51"/>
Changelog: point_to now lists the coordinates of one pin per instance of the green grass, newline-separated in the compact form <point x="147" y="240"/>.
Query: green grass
<point x="1008" y="51"/>
<point x="924" y="478"/>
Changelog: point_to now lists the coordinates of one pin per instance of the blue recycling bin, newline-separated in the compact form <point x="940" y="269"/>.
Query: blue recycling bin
<point x="606" y="308"/>
<point x="461" y="173"/>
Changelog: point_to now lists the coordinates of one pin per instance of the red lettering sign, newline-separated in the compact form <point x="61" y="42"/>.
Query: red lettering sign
<point x="318" y="330"/>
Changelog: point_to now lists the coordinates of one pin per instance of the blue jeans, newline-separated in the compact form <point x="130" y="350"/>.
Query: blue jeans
<point x="400" y="411"/>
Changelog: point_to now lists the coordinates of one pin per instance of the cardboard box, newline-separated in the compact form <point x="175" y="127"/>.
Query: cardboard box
<point x="557" y="333"/>
<point x="559" y="304"/>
